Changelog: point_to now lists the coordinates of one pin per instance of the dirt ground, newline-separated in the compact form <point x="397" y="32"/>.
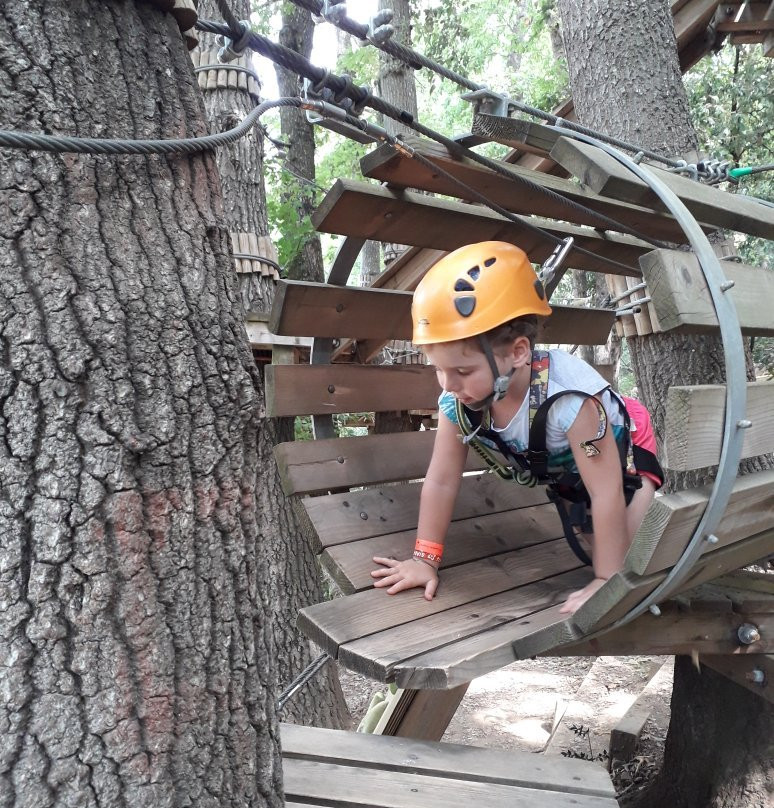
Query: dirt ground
<point x="516" y="707"/>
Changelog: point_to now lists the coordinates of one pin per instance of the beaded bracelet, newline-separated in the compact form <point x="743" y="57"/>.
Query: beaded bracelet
<point x="428" y="551"/>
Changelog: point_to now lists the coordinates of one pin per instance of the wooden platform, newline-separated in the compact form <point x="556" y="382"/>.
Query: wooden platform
<point x="334" y="768"/>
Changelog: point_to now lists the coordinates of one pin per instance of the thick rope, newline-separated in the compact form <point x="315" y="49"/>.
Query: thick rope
<point x="189" y="145"/>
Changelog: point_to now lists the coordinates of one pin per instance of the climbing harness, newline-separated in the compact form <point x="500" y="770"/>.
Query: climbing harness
<point x="531" y="467"/>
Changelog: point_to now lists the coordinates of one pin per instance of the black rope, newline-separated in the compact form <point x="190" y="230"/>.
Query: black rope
<point x="189" y="145"/>
<point x="343" y="87"/>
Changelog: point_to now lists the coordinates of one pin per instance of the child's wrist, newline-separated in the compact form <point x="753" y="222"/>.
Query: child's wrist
<point x="428" y="551"/>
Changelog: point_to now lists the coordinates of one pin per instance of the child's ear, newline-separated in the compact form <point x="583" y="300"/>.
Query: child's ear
<point x="522" y="351"/>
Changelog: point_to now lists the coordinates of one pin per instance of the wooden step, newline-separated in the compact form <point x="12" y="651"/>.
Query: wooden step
<point x="312" y="466"/>
<point x="694" y="424"/>
<point x="358" y="209"/>
<point x="401" y="171"/>
<point x="328" y="389"/>
<point x="682" y="301"/>
<point x="605" y="175"/>
<point x="326" y="310"/>
<point x="331" y="767"/>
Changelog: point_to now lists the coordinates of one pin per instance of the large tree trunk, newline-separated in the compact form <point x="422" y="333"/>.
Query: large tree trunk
<point x="625" y="76"/>
<point x="134" y="641"/>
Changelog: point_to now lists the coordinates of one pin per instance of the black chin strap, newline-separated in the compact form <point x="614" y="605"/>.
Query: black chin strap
<point x="500" y="384"/>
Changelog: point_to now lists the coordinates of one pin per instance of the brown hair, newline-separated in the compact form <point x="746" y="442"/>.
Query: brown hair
<point x="505" y="334"/>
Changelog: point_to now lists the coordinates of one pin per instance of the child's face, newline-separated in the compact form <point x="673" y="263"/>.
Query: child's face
<point x="463" y="370"/>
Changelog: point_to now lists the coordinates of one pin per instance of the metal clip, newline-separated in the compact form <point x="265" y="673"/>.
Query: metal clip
<point x="332" y="11"/>
<point x="379" y="28"/>
<point x="549" y="272"/>
<point x="233" y="49"/>
<point x="488" y="102"/>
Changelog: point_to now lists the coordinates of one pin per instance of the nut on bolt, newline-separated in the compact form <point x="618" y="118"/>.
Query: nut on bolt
<point x="756" y="676"/>
<point x="748" y="633"/>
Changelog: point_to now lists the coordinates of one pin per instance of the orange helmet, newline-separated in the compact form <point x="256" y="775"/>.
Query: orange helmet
<point x="474" y="289"/>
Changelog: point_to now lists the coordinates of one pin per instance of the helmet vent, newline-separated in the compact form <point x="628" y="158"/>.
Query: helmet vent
<point x="465" y="305"/>
<point x="463" y="286"/>
<point x="474" y="272"/>
<point x="489" y="261"/>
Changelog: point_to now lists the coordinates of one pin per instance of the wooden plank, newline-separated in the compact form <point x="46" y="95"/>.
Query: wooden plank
<point x="421" y="714"/>
<point x="743" y="671"/>
<point x="343" y="620"/>
<point x="318" y="389"/>
<point x="682" y="301"/>
<point x="311" y="466"/>
<point x="467" y="540"/>
<point x="518" y="133"/>
<point x="333" y="784"/>
<point x="670" y="522"/>
<point x="625" y="735"/>
<point x="444" y="650"/>
<point x="694" y="424"/>
<point x="605" y="175"/>
<point x="443" y="760"/>
<point x="328" y="310"/>
<point x="355" y="515"/>
<point x="358" y="209"/>
<point x="400" y="171"/>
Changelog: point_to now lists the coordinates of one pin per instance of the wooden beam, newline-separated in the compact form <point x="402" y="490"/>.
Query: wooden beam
<point x="605" y="175"/>
<point x="312" y="466"/>
<point x="358" y="515"/>
<point x="400" y="171"/>
<point x="518" y="133"/>
<point x="326" y="389"/>
<point x="329" y="310"/>
<point x="682" y="300"/>
<point x="746" y="671"/>
<point x="421" y="714"/>
<point x="468" y="539"/>
<point x="370" y="211"/>
<point x="670" y="522"/>
<point x="450" y="762"/>
<point x="694" y="424"/>
<point x="259" y="334"/>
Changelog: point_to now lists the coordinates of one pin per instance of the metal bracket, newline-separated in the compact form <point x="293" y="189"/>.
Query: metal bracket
<point x="551" y="272"/>
<point x="332" y="11"/>
<point x="310" y="93"/>
<point x="233" y="49"/>
<point x="379" y="28"/>
<point x="489" y="102"/>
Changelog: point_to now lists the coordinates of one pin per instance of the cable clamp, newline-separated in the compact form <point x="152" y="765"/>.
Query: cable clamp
<point x="554" y="262"/>
<point x="403" y="148"/>
<point x="379" y="29"/>
<point x="486" y="101"/>
<point x="683" y="167"/>
<point x="333" y="11"/>
<point x="340" y="119"/>
<point x="232" y="49"/>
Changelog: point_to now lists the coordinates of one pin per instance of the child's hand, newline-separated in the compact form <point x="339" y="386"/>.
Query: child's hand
<point x="400" y="575"/>
<point x="579" y="597"/>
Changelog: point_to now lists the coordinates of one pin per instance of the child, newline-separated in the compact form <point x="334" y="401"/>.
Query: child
<point x="476" y="315"/>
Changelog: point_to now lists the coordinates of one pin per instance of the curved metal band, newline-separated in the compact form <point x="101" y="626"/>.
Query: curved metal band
<point x="736" y="380"/>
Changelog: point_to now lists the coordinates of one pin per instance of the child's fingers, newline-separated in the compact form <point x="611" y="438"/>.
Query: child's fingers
<point x="431" y="588"/>
<point x="388" y="581"/>
<point x="402" y="584"/>
<point x="380" y="573"/>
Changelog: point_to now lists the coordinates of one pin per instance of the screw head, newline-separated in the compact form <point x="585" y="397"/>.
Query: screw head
<point x="654" y="610"/>
<point x="331" y="388"/>
<point x="748" y="633"/>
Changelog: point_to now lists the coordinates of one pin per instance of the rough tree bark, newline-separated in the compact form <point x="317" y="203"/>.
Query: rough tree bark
<point x="136" y="660"/>
<point x="625" y="76"/>
<point x="294" y="580"/>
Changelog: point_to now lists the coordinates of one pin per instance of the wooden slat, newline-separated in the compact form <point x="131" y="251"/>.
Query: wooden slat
<point x="387" y="165"/>
<point x="370" y="211"/>
<point x="358" y="515"/>
<point x="694" y="424"/>
<point x="444" y="650"/>
<point x="444" y="760"/>
<point x="670" y="522"/>
<point x="332" y="784"/>
<point x="318" y="389"/>
<point x="323" y="465"/>
<point x="258" y="334"/>
<point x="345" y="619"/>
<point x="741" y="669"/>
<point x="328" y="310"/>
<point x="682" y="301"/>
<point x="605" y="175"/>
<point x="518" y="133"/>
<point x="467" y="540"/>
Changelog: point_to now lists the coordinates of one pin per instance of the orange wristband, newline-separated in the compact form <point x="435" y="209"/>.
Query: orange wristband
<point x="428" y="551"/>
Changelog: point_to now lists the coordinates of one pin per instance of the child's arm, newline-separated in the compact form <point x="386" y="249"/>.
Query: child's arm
<point x="604" y="482"/>
<point x="436" y="503"/>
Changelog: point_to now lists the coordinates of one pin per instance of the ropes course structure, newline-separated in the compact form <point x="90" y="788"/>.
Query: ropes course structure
<point x="339" y="99"/>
